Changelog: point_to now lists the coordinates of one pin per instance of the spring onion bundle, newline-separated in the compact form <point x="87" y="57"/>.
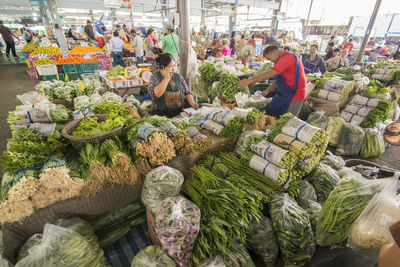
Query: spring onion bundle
<point x="283" y="158"/>
<point x="380" y="113"/>
<point x="293" y="229"/>
<point x="227" y="213"/>
<point x="334" y="129"/>
<point x="373" y="144"/>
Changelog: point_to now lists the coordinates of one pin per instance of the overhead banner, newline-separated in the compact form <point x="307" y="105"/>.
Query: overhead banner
<point x="118" y="3"/>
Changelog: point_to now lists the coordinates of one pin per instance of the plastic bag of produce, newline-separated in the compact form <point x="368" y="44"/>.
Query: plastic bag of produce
<point x="81" y="101"/>
<point x="324" y="179"/>
<point x="343" y="206"/>
<point x="238" y="256"/>
<point x="63" y="247"/>
<point x="216" y="262"/>
<point x="318" y="119"/>
<point x="350" y="140"/>
<point x="160" y="183"/>
<point x="334" y="128"/>
<point x="293" y="229"/>
<point x="373" y="144"/>
<point x="307" y="192"/>
<point x="262" y="242"/>
<point x="34" y="240"/>
<point x="335" y="162"/>
<point x="152" y="256"/>
<point x="313" y="208"/>
<point x="177" y="223"/>
<point x="246" y="139"/>
<point x="112" y="97"/>
<point x="371" y="229"/>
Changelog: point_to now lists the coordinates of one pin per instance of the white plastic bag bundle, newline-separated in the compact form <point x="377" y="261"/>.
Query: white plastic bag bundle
<point x="152" y="256"/>
<point x="371" y="229"/>
<point x="243" y="143"/>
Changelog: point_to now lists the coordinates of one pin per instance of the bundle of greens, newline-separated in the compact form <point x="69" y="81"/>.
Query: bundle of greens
<point x="183" y="143"/>
<point x="91" y="126"/>
<point x="152" y="256"/>
<point x="335" y="162"/>
<point x="276" y="174"/>
<point x="324" y="179"/>
<point x="343" y="206"/>
<point x="232" y="124"/>
<point x="227" y="213"/>
<point x="246" y="139"/>
<point x="318" y="119"/>
<point x="160" y="183"/>
<point x="293" y="229"/>
<point x="34" y="240"/>
<point x="293" y="187"/>
<point x="307" y="192"/>
<point x="264" y="68"/>
<point x="380" y="113"/>
<point x="227" y="86"/>
<point x="114" y="109"/>
<point x="373" y="144"/>
<point x="375" y="88"/>
<point x="335" y="90"/>
<point x="117" y="71"/>
<point x="238" y="256"/>
<point x="94" y="156"/>
<point x="313" y="208"/>
<point x="351" y="139"/>
<point x="298" y="136"/>
<point x="25" y="150"/>
<point x="221" y="166"/>
<point x="319" y="85"/>
<point x="334" y="128"/>
<point x="209" y="73"/>
<point x="283" y="158"/>
<point x="262" y="242"/>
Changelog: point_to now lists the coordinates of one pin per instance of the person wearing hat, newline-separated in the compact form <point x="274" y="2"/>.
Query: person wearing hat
<point x="170" y="43"/>
<point x="89" y="31"/>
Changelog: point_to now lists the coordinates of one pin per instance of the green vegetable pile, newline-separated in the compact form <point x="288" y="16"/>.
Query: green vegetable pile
<point x="227" y="212"/>
<point x="350" y="140"/>
<point x="319" y="84"/>
<point x="117" y="71"/>
<point x="324" y="179"/>
<point x="375" y="88"/>
<point x="343" y="206"/>
<point x="269" y="151"/>
<point x="227" y="86"/>
<point x="264" y="68"/>
<point x="380" y="113"/>
<point x="293" y="229"/>
<point x="91" y="126"/>
<point x="209" y="74"/>
<point x="61" y="114"/>
<point x="334" y="128"/>
<point x="373" y="144"/>
<point x="25" y="150"/>
<point x="152" y="256"/>
<point x="234" y="127"/>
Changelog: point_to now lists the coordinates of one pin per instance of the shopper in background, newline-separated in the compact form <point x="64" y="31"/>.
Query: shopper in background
<point x="232" y="45"/>
<point x="252" y="41"/>
<point x="241" y="43"/>
<point x="331" y="42"/>
<point x="349" y="45"/>
<point x="149" y="42"/>
<point x="126" y="30"/>
<point x="8" y="39"/>
<point x="121" y="33"/>
<point x="27" y="35"/>
<point x="338" y="61"/>
<point x="169" y="89"/>
<point x="170" y="43"/>
<point x="373" y="56"/>
<point x="155" y="54"/>
<point x="218" y="48"/>
<point x="371" y="43"/>
<point x="329" y="51"/>
<point x="312" y="62"/>
<point x="336" y="52"/>
<point x="137" y="44"/>
<point x="116" y="45"/>
<point x="290" y="82"/>
<point x="89" y="31"/>
<point x="389" y="254"/>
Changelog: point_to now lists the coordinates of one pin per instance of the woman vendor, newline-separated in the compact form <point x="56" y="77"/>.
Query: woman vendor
<point x="168" y="89"/>
<point x="312" y="62"/>
<point x="290" y="81"/>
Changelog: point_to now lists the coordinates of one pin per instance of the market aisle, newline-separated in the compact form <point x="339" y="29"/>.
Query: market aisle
<point x="14" y="80"/>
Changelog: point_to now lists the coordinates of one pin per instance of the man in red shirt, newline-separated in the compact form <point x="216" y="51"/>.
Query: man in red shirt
<point x="349" y="45"/>
<point x="290" y="80"/>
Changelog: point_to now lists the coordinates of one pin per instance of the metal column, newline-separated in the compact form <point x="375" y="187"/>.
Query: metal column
<point x="44" y="15"/>
<point x="233" y="17"/>
<point x="274" y="22"/>
<point x="165" y="13"/>
<point x="308" y="19"/>
<point x="91" y="15"/>
<point x="368" y="31"/>
<point x="184" y="35"/>
<point x="131" y="17"/>
<point x="55" y="18"/>
<point x="203" y="13"/>
<point x="114" y="15"/>
<point x="390" y="24"/>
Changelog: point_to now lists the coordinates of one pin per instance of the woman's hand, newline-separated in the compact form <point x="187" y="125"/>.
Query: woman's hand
<point x="244" y="83"/>
<point x="166" y="74"/>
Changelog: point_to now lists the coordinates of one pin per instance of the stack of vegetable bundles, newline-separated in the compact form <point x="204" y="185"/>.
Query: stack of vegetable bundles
<point x="306" y="141"/>
<point x="222" y="122"/>
<point x="334" y="90"/>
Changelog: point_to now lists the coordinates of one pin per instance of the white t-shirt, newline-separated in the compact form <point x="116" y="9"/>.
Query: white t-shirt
<point x="137" y="44"/>
<point x="116" y="44"/>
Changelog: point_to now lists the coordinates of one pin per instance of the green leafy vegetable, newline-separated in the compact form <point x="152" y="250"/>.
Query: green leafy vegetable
<point x="91" y="126"/>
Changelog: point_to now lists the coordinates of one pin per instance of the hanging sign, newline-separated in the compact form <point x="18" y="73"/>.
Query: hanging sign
<point x="118" y="3"/>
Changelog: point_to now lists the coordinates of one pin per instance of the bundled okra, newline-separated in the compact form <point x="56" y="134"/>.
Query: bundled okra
<point x="277" y="155"/>
<point x="293" y="229"/>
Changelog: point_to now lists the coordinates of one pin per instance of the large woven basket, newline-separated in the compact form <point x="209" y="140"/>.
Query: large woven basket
<point x="77" y="141"/>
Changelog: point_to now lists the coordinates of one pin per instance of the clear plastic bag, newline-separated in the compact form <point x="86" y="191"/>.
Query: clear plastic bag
<point x="81" y="101"/>
<point x="152" y="256"/>
<point x="343" y="206"/>
<point x="371" y="229"/>
<point x="373" y="144"/>
<point x="350" y="140"/>
<point x="318" y="119"/>
<point x="30" y="97"/>
<point x="112" y="97"/>
<point x="335" y="162"/>
<point x="245" y="140"/>
<point x="262" y="242"/>
<point x="324" y="179"/>
<point x="334" y="128"/>
<point x="307" y="192"/>
<point x="293" y="229"/>
<point x="238" y="256"/>
<point x="216" y="262"/>
<point x="313" y="209"/>
<point x="177" y="223"/>
<point x="160" y="183"/>
<point x="34" y="240"/>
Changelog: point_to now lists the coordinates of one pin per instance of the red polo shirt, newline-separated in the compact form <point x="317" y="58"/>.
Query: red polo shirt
<point x="286" y="66"/>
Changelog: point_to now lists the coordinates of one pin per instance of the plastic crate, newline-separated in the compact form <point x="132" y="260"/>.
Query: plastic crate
<point x="26" y="54"/>
<point x="61" y="77"/>
<point x="73" y="76"/>
<point x="74" y="68"/>
<point x="90" y="67"/>
<point x="46" y="69"/>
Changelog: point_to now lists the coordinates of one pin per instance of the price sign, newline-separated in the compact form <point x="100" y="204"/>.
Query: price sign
<point x="87" y="57"/>
<point x="81" y="85"/>
<point x="126" y="73"/>
<point x="66" y="77"/>
<point x="194" y="43"/>
<point x="42" y="55"/>
<point x="43" y="91"/>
